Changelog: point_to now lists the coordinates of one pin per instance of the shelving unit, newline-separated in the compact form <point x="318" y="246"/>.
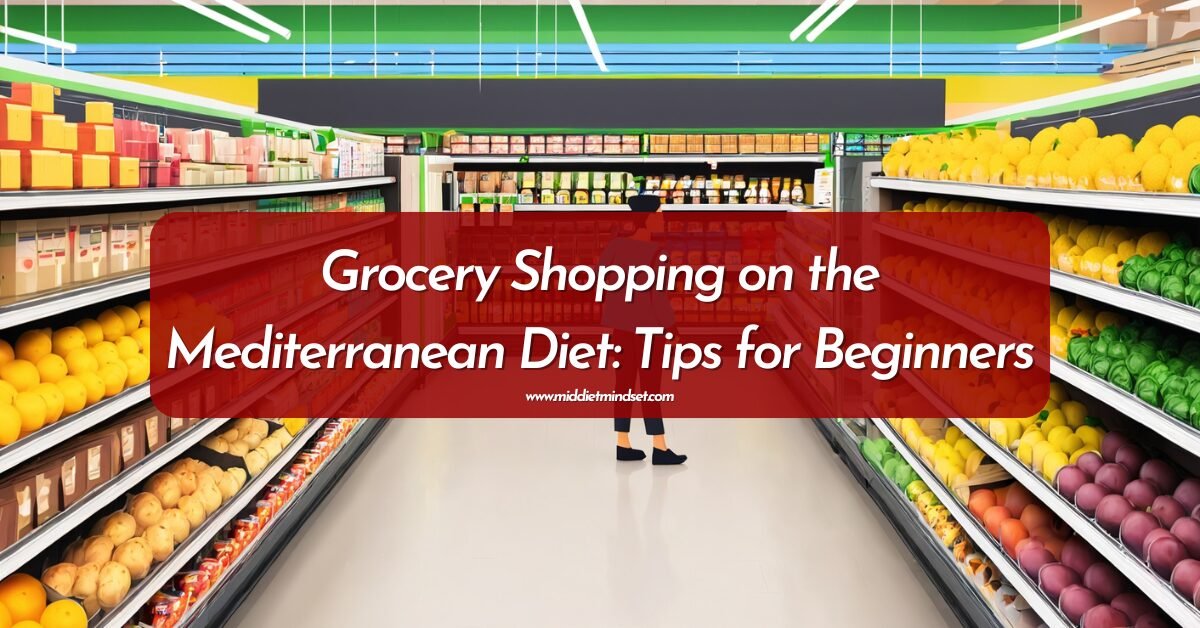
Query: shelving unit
<point x="1045" y="608"/>
<point x="450" y="160"/>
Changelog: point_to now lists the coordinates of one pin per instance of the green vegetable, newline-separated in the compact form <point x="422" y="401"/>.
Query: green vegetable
<point x="1193" y="256"/>
<point x="1136" y="363"/>
<point x="1181" y="269"/>
<point x="1076" y="347"/>
<point x="1118" y="350"/>
<point x="1191" y="295"/>
<point x="1100" y="346"/>
<point x="1147" y="391"/>
<point x="1143" y="348"/>
<point x="1129" y="276"/>
<point x="1149" y="281"/>
<point x="1174" y="385"/>
<point x="1194" y="276"/>
<point x="1192" y="373"/>
<point x="1085" y="360"/>
<point x="1156" y="371"/>
<point x="1193" y="390"/>
<point x="1173" y="251"/>
<point x="1164" y="266"/>
<point x="1119" y="376"/>
<point x="1194" y="412"/>
<point x="1177" y="406"/>
<point x="1100" y="366"/>
<point x="1178" y="366"/>
<point x="1172" y="288"/>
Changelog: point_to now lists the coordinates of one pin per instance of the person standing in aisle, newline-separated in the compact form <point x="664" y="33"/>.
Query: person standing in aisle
<point x="647" y="309"/>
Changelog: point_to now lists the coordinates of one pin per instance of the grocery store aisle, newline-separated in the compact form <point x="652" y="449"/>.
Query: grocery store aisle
<point x="449" y="523"/>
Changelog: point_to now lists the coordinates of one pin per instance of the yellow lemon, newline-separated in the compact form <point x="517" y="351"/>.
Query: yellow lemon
<point x="1052" y="463"/>
<point x="68" y="338"/>
<point x="129" y="316"/>
<point x="1070" y="134"/>
<point x="1088" y="127"/>
<point x="127" y="346"/>
<point x="113" y="375"/>
<point x="32" y="408"/>
<point x="64" y="614"/>
<point x="112" y="324"/>
<point x="22" y="374"/>
<point x="1170" y="147"/>
<point x="1091" y="436"/>
<point x="106" y="353"/>
<point x="1154" y="173"/>
<point x="1074" y="412"/>
<point x="51" y="368"/>
<point x="1187" y="129"/>
<point x="33" y="344"/>
<point x="91" y="330"/>
<point x="143" y="312"/>
<point x="142" y="337"/>
<point x="1156" y="135"/>
<point x="94" y="385"/>
<point x="81" y="361"/>
<point x="1040" y="450"/>
<point x="55" y="401"/>
<point x="1053" y="420"/>
<point x="1043" y="142"/>
<point x="10" y="425"/>
<point x="138" y="370"/>
<point x="74" y="394"/>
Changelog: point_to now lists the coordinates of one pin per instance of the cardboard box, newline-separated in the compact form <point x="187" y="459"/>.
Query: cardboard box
<point x="123" y="172"/>
<point x="18" y="257"/>
<point x="10" y="169"/>
<point x="53" y="244"/>
<point x="46" y="170"/>
<point x="38" y="96"/>
<point x="96" y="139"/>
<point x="130" y="443"/>
<point x="98" y="112"/>
<point x="16" y="123"/>
<point x="21" y="491"/>
<point x="91" y="171"/>
<point x="49" y="131"/>
<point x="746" y="143"/>
<point x="89" y="248"/>
<point x="148" y="218"/>
<point x="124" y="242"/>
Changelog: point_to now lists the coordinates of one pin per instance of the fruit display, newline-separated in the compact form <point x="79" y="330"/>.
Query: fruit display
<point x="982" y="572"/>
<point x="954" y="459"/>
<point x="1071" y="156"/>
<point x="99" y="569"/>
<point x="203" y="574"/>
<point x="1149" y="361"/>
<point x="249" y="440"/>
<point x="24" y="603"/>
<point x="47" y="375"/>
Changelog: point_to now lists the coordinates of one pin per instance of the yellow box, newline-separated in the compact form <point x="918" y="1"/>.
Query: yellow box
<point x="10" y="169"/>
<point x="71" y="136"/>
<point x="98" y="112"/>
<point x="16" y="123"/>
<point x="49" y="131"/>
<point x="46" y="170"/>
<point x="123" y="172"/>
<point x="39" y="96"/>
<point x="92" y="171"/>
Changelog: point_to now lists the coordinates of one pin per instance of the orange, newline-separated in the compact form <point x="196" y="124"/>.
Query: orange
<point x="111" y="324"/>
<point x="6" y="354"/>
<point x="64" y="614"/>
<point x="127" y="346"/>
<point x="7" y="394"/>
<point x="74" y="394"/>
<point x="113" y="375"/>
<point x="28" y="623"/>
<point x="10" y="431"/>
<point x="22" y="374"/>
<point x="128" y="316"/>
<point x="5" y="618"/>
<point x="142" y="337"/>
<point x="33" y="344"/>
<point x="68" y="338"/>
<point x="55" y="401"/>
<point x="24" y="597"/>
<point x="106" y="352"/>
<point x="91" y="330"/>
<point x="143" y="312"/>
<point x="82" y="361"/>
<point x="51" y="368"/>
<point x="32" y="408"/>
<point x="93" y="385"/>
<point x="138" y="369"/>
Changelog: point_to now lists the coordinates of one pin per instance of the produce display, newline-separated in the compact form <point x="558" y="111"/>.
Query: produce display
<point x="202" y="575"/>
<point x="249" y="440"/>
<point x="50" y="374"/>
<point x="1071" y="156"/>
<point x="982" y="572"/>
<point x="456" y="143"/>
<point x="1152" y="362"/>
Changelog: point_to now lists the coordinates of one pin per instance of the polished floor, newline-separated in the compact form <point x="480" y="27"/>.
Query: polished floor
<point x="465" y="523"/>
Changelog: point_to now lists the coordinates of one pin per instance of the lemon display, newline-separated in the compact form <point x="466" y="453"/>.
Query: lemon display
<point x="142" y="337"/>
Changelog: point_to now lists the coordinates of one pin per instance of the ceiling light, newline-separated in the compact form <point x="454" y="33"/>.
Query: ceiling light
<point x="256" y="17"/>
<point x="812" y="18"/>
<point x="223" y="19"/>
<point x="828" y="21"/>
<point x="37" y="39"/>
<point x="1080" y="29"/>
<point x="577" y="6"/>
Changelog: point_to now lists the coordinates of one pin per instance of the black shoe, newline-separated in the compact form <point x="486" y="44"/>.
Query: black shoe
<point x="629" y="454"/>
<point x="666" y="456"/>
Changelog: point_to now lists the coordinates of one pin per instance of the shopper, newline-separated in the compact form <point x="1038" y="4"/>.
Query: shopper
<point x="646" y="309"/>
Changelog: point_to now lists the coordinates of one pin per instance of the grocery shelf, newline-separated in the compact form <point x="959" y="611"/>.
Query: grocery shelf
<point x="14" y="201"/>
<point x="38" y="442"/>
<point x="16" y="556"/>
<point x="1013" y="268"/>
<point x="450" y="160"/>
<point x="983" y="330"/>
<point x="1142" y="303"/>
<point x="163" y="572"/>
<point x="1153" y="418"/>
<point x="1045" y="608"/>
<point x="1137" y="202"/>
<point x="20" y="310"/>
<point x="1155" y="588"/>
<point x="667" y="207"/>
<point x="239" y="579"/>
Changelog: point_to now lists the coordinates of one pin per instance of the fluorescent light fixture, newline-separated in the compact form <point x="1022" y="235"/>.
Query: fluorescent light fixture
<point x="256" y="17"/>
<point x="812" y="18"/>
<point x="830" y="19"/>
<point x="1183" y="6"/>
<point x="1080" y="29"/>
<point x="577" y="6"/>
<point x="1072" y="101"/>
<point x="37" y="39"/>
<point x="224" y="20"/>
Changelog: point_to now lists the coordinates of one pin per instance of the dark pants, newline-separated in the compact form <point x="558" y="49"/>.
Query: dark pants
<point x="630" y="375"/>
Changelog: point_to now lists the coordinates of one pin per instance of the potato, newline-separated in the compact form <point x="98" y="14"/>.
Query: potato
<point x="210" y="498"/>
<point x="165" y="487"/>
<point x="113" y="584"/>
<point x="60" y="578"/>
<point x="98" y="549"/>
<point x="228" y="486"/>
<point x="239" y="474"/>
<point x="187" y="482"/>
<point x="252" y="440"/>
<point x="74" y="552"/>
<point x="146" y="510"/>
<point x="256" y="461"/>
<point x="174" y="520"/>
<point x="216" y="444"/>
<point x="119" y="527"/>
<point x="161" y="541"/>
<point x="136" y="556"/>
<point x="193" y="510"/>
<point x="214" y="473"/>
<point x="86" y="580"/>
<point x="239" y="448"/>
<point x="231" y="435"/>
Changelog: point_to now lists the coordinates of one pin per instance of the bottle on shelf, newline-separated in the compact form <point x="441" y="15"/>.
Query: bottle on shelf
<point x="785" y="192"/>
<point x="751" y="194"/>
<point x="798" y="191"/>
<point x="764" y="193"/>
